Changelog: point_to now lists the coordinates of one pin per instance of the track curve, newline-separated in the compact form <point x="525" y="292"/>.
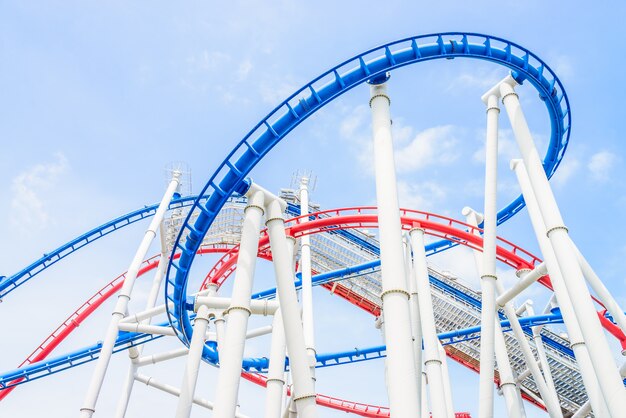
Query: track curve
<point x="230" y="175"/>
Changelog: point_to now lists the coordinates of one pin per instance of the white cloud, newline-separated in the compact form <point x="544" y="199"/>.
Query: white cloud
<point x="28" y="209"/>
<point x="420" y="195"/>
<point x="273" y="92"/>
<point x="433" y="146"/>
<point x="484" y="79"/>
<point x="353" y="127"/>
<point x="600" y="165"/>
<point x="208" y="61"/>
<point x="244" y="70"/>
<point x="507" y="148"/>
<point x="562" y="66"/>
<point x="566" y="170"/>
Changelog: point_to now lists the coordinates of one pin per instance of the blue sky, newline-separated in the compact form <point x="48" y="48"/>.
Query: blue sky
<point x="98" y="98"/>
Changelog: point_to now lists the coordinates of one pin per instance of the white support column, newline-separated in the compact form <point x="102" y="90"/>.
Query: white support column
<point x="577" y="343"/>
<point x="276" y="372"/>
<point x="603" y="293"/>
<point x="424" y="395"/>
<point x="414" y="309"/>
<point x="444" y="368"/>
<point x="488" y="275"/>
<point x="402" y="387"/>
<point x="609" y="380"/>
<point x="503" y="300"/>
<point x="303" y="390"/>
<point x="135" y="352"/>
<point x="238" y="313"/>
<point x="541" y="352"/>
<point x="507" y="380"/>
<point x="307" y="286"/>
<point x="220" y="330"/>
<point x="121" y="307"/>
<point x="159" y="357"/>
<point x="190" y="377"/>
<point x="152" y="382"/>
<point x="432" y="360"/>
<point x="585" y="410"/>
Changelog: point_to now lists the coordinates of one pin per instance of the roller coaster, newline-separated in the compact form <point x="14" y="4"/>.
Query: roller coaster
<point x="425" y="315"/>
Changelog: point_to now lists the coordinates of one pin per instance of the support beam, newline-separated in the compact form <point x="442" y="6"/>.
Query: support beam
<point x="121" y="307"/>
<point x="402" y="387"/>
<point x="432" y="360"/>
<point x="551" y="400"/>
<point x="577" y="343"/>
<point x="609" y="380"/>
<point x="414" y="309"/>
<point x="303" y="390"/>
<point x="488" y="274"/>
<point x="307" y="285"/>
<point x="276" y="371"/>
<point x="238" y="312"/>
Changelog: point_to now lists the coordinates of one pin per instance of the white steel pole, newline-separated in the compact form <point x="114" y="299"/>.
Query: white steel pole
<point x="507" y="380"/>
<point x="488" y="276"/>
<point x="603" y="293"/>
<point x="609" y="380"/>
<point x="424" y="395"/>
<point x="541" y="352"/>
<point x="152" y="382"/>
<point x="135" y="352"/>
<point x="307" y="286"/>
<point x="585" y="409"/>
<point x="444" y="368"/>
<point x="303" y="391"/>
<point x="159" y="357"/>
<point x="414" y="309"/>
<point x="231" y="355"/>
<point x="121" y="307"/>
<point x="577" y="343"/>
<point x="432" y="360"/>
<point x="525" y="281"/>
<point x="276" y="371"/>
<point x="503" y="300"/>
<point x="190" y="377"/>
<point x="402" y="384"/>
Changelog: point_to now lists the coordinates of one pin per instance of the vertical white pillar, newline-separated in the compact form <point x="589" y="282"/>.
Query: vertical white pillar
<point x="609" y="380"/>
<point x="307" y="286"/>
<point x="601" y="291"/>
<point x="549" y="396"/>
<point x="135" y="352"/>
<point x="577" y="342"/>
<point x="121" y="307"/>
<point x="446" y="382"/>
<point x="303" y="391"/>
<point x="190" y="377"/>
<point x="276" y="372"/>
<point x="541" y="352"/>
<point x="414" y="309"/>
<point x="488" y="276"/>
<point x="231" y="355"/>
<point x="432" y="360"/>
<point x="402" y="387"/>
<point x="424" y="395"/>
<point x="507" y="380"/>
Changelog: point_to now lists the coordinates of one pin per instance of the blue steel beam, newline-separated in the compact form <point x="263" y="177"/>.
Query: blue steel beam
<point x="10" y="283"/>
<point x="130" y="339"/>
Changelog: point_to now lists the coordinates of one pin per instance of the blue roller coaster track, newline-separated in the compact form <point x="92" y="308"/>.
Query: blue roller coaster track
<point x="230" y="176"/>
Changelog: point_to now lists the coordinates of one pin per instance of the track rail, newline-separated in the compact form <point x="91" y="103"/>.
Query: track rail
<point x="10" y="283"/>
<point x="230" y="176"/>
